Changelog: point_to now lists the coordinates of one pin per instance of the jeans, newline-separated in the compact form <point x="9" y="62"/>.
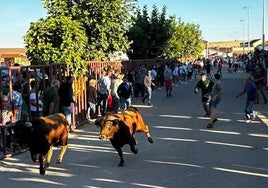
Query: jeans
<point x="148" y="94"/>
<point x="91" y="111"/>
<point x="260" y="88"/>
<point x="249" y="108"/>
<point x="116" y="103"/>
<point x="125" y="103"/>
<point x="66" y="110"/>
<point x="103" y="103"/>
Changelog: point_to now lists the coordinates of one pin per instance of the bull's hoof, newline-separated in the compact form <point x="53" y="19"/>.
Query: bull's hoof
<point x="121" y="164"/>
<point x="150" y="139"/>
<point x="42" y="171"/>
<point x="59" y="161"/>
<point x="134" y="150"/>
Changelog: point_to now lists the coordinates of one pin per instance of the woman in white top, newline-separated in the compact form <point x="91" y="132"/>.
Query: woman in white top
<point x="35" y="105"/>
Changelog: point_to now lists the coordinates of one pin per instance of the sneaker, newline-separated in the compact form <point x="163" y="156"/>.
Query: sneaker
<point x="149" y="104"/>
<point x="214" y="120"/>
<point x="248" y="121"/>
<point x="210" y="125"/>
<point x="254" y="115"/>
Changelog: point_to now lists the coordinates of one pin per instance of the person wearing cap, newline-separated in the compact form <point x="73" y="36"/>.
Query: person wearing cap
<point x="216" y="94"/>
<point x="125" y="91"/>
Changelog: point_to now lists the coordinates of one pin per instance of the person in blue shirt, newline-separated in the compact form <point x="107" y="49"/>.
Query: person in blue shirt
<point x="251" y="90"/>
<point x="125" y="91"/>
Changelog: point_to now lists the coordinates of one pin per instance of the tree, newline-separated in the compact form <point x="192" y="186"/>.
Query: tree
<point x="79" y="30"/>
<point x="56" y="39"/>
<point x="185" y="40"/>
<point x="105" y="23"/>
<point x="148" y="34"/>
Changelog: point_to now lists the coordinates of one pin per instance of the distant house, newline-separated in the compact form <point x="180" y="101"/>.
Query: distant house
<point x="10" y="56"/>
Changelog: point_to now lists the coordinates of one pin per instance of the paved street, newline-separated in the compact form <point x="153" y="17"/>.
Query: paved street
<point x="185" y="153"/>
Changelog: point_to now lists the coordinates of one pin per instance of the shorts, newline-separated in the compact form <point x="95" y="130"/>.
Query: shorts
<point x="213" y="104"/>
<point x="206" y="98"/>
<point x="168" y="84"/>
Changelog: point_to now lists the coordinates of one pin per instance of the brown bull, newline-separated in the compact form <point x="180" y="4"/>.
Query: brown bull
<point x="120" y="128"/>
<point x="40" y="135"/>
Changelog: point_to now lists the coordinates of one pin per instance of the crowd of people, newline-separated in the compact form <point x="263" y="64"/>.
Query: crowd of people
<point x="114" y="91"/>
<point x="56" y="98"/>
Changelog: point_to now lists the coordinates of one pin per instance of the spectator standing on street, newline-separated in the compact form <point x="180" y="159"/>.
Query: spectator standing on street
<point x="92" y="99"/>
<point x="7" y="116"/>
<point x="208" y="68"/>
<point x="51" y="98"/>
<point x="104" y="91"/>
<point x="205" y="85"/>
<point x="259" y="77"/>
<point x="216" y="94"/>
<point x="139" y="87"/>
<point x="219" y="71"/>
<point x="66" y="99"/>
<point x="35" y="106"/>
<point x="115" y="82"/>
<point x="251" y="90"/>
<point x="168" y="80"/>
<point x="125" y="91"/>
<point x="154" y="77"/>
<point x="16" y="101"/>
<point x="148" y="88"/>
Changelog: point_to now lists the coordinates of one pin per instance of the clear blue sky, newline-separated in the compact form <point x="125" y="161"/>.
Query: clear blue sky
<point x="219" y="20"/>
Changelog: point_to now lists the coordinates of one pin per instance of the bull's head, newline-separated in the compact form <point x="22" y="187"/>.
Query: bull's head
<point x="21" y="132"/>
<point x="109" y="126"/>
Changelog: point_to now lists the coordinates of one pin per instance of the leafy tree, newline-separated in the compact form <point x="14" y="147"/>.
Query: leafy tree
<point x="185" y="40"/>
<point x="79" y="30"/>
<point x="139" y="35"/>
<point x="148" y="34"/>
<point x="56" y="39"/>
<point x="105" y="23"/>
<point x="158" y="36"/>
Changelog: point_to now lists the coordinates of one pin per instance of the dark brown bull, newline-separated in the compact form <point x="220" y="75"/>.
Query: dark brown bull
<point x="40" y="135"/>
<point x="120" y="128"/>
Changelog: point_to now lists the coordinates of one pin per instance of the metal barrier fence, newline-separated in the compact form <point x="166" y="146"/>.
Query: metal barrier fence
<point x="44" y="74"/>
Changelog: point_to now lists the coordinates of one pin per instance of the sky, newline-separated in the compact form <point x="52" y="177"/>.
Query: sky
<point x="219" y="20"/>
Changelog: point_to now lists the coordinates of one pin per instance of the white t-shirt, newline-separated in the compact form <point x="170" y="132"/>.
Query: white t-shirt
<point x="34" y="108"/>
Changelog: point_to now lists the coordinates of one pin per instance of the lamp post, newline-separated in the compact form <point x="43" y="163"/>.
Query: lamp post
<point x="244" y="23"/>
<point x="263" y="24"/>
<point x="248" y="27"/>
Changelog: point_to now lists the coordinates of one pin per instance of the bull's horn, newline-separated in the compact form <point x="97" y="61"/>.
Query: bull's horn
<point x="116" y="121"/>
<point x="28" y="124"/>
<point x="98" y="122"/>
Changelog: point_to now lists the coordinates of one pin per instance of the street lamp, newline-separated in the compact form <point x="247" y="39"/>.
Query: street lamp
<point x="248" y="26"/>
<point x="244" y="25"/>
<point x="263" y="25"/>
